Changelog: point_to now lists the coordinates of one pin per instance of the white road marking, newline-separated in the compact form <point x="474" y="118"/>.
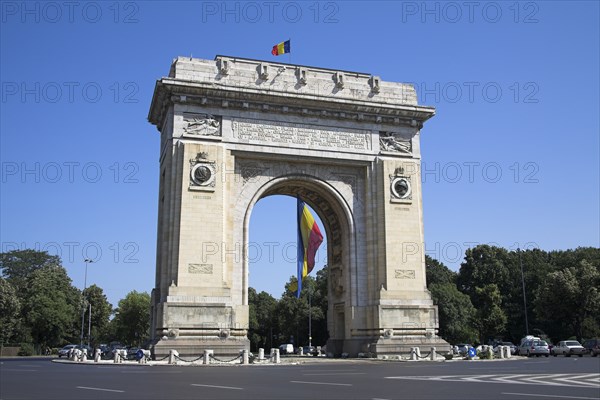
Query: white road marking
<point x="337" y="373"/>
<point x="571" y="380"/>
<point x="322" y="383"/>
<point x="549" y="395"/>
<point x="19" y="370"/>
<point x="218" y="387"/>
<point x="151" y="372"/>
<point x="100" y="389"/>
<point x="328" y="370"/>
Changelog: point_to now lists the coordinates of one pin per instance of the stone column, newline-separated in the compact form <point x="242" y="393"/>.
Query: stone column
<point x="97" y="355"/>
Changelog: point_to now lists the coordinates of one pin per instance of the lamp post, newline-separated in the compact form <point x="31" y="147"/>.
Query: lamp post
<point x="86" y="261"/>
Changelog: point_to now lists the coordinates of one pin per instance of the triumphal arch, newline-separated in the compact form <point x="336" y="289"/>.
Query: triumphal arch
<point x="235" y="130"/>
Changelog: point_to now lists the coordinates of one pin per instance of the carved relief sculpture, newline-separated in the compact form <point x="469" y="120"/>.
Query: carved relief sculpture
<point x="390" y="141"/>
<point x="202" y="125"/>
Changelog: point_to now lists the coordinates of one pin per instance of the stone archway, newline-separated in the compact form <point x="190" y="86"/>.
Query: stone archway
<point x="338" y="220"/>
<point x="234" y="131"/>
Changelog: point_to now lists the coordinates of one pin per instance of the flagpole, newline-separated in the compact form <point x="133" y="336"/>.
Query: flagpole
<point x="309" y="320"/>
<point x="290" y="53"/>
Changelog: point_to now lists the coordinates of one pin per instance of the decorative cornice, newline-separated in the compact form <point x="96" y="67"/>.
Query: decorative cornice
<point x="218" y="92"/>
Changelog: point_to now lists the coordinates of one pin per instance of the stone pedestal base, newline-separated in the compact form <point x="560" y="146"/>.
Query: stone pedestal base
<point x="194" y="347"/>
<point x="403" y="345"/>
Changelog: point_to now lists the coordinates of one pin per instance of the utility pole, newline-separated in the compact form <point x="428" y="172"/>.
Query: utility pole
<point x="83" y="307"/>
<point x="524" y="295"/>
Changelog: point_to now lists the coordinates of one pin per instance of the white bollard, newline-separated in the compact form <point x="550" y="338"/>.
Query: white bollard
<point x="261" y="354"/>
<point x="245" y="359"/>
<point x="418" y="351"/>
<point x="300" y="351"/>
<point x="432" y="355"/>
<point x="84" y="355"/>
<point x="490" y="352"/>
<point x="275" y="357"/>
<point x="413" y="353"/>
<point x="172" y="355"/>
<point x="97" y="355"/>
<point x="207" y="354"/>
<point x="508" y="352"/>
<point x="116" y="357"/>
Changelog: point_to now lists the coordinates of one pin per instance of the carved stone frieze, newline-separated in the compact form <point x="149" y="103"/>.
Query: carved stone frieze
<point x="394" y="142"/>
<point x="404" y="274"/>
<point x="300" y="135"/>
<point x="201" y="125"/>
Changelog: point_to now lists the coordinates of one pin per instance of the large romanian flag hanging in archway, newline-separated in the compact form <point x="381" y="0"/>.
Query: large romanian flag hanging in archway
<point x="309" y="240"/>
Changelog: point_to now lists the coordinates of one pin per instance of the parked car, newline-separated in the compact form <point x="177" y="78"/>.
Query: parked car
<point x="64" y="352"/>
<point x="568" y="348"/>
<point x="286" y="348"/>
<point x="534" y="347"/>
<point x="309" y="350"/>
<point x="592" y="346"/>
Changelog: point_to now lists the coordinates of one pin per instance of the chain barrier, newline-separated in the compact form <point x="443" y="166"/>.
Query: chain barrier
<point x="163" y="359"/>
<point x="425" y="356"/>
<point x="225" y="361"/>
<point x="190" y="361"/>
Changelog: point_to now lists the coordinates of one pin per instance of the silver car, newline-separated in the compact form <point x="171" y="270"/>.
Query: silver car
<point x="534" y="347"/>
<point x="568" y="348"/>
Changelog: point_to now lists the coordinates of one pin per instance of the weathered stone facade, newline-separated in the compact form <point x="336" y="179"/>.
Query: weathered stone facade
<point x="235" y="130"/>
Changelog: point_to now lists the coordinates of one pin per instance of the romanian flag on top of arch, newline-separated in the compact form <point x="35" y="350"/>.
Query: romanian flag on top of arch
<point x="309" y="240"/>
<point x="281" y="48"/>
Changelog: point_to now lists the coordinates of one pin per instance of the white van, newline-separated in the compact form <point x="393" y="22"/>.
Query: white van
<point x="286" y="349"/>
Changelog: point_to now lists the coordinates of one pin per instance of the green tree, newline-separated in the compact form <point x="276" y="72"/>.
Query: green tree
<point x="293" y="312"/>
<point x="51" y="307"/>
<point x="569" y="301"/>
<point x="490" y="319"/>
<point x="10" y="308"/>
<point x="101" y="311"/>
<point x="263" y="319"/>
<point x="18" y="265"/>
<point x="437" y="272"/>
<point x="456" y="313"/>
<point x="483" y="265"/>
<point x="132" y="318"/>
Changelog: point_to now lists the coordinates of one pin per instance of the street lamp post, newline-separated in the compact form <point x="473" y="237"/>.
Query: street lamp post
<point x="86" y="261"/>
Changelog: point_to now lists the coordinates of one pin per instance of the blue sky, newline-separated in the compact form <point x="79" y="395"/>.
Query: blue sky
<point x="511" y="157"/>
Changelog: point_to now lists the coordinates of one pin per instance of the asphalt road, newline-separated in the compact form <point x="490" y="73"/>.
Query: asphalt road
<point x="536" y="378"/>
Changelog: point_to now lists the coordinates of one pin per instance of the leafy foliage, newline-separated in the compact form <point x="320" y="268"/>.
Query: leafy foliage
<point x="101" y="312"/>
<point x="456" y="313"/>
<point x="438" y="273"/>
<point x="263" y="319"/>
<point x="10" y="308"/>
<point x="569" y="299"/>
<point x="51" y="306"/>
<point x="131" y="324"/>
